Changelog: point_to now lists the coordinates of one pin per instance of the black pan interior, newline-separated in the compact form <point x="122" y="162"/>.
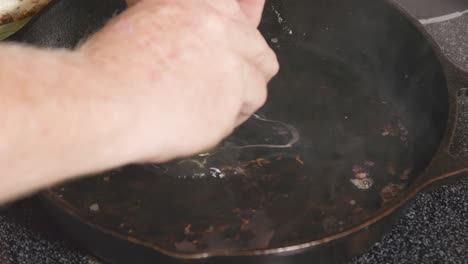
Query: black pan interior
<point x="361" y="88"/>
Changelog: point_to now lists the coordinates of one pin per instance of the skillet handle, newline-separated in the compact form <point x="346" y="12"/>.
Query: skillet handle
<point x="452" y="158"/>
<point x="64" y="23"/>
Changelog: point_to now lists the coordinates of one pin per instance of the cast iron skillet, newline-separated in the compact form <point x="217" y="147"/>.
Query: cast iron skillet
<point x="365" y="114"/>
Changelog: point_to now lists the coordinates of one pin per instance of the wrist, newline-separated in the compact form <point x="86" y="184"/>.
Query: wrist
<point x="82" y="119"/>
<point x="129" y="106"/>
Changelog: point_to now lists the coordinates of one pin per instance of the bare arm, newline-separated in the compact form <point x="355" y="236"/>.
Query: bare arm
<point x="165" y="79"/>
<point x="57" y="117"/>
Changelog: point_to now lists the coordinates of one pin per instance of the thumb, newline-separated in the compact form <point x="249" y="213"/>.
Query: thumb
<point x="253" y="9"/>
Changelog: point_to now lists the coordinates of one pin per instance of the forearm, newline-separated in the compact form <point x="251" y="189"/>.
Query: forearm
<point x="58" y="119"/>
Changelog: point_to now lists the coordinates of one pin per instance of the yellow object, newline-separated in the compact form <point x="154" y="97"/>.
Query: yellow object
<point x="10" y="28"/>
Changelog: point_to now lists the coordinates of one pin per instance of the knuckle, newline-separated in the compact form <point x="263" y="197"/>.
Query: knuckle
<point x="272" y="67"/>
<point x="266" y="59"/>
<point x="269" y="60"/>
<point x="275" y="66"/>
<point x="262" y="95"/>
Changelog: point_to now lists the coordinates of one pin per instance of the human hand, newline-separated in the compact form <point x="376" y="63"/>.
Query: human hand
<point x="184" y="73"/>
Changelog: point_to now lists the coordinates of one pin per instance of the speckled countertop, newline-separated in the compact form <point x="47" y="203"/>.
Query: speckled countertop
<point x="452" y="36"/>
<point x="434" y="228"/>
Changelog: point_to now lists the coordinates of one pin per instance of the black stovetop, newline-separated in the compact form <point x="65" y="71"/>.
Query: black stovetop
<point x="434" y="228"/>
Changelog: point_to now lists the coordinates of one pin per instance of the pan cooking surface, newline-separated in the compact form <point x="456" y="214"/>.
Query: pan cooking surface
<point x="257" y="190"/>
<point x="354" y="116"/>
<point x="257" y="198"/>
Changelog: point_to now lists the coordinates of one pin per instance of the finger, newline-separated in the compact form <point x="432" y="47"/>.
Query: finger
<point x="254" y="94"/>
<point x="247" y="40"/>
<point x="253" y="9"/>
<point x="250" y="44"/>
<point x="267" y="63"/>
